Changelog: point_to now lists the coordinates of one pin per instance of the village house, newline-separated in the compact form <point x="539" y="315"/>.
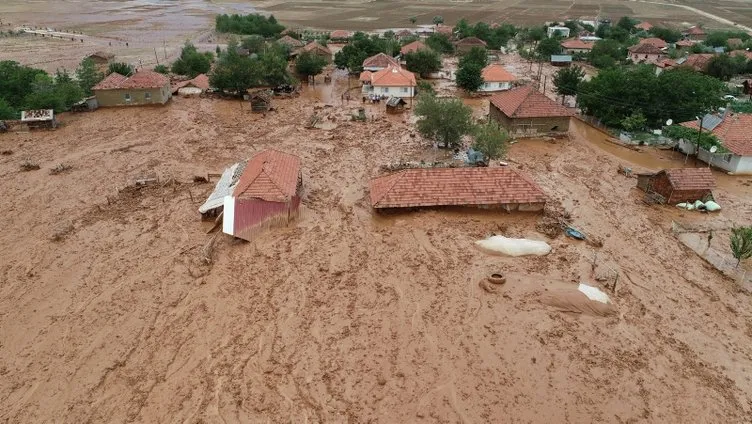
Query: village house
<point x="496" y="78"/>
<point x="466" y="44"/>
<point x="291" y="43"/>
<point x="142" y="88"/>
<point x="695" y="33"/>
<point x="576" y="46"/>
<point x="559" y="31"/>
<point x="561" y="60"/>
<point x="678" y="185"/>
<point x="683" y="44"/>
<point x="644" y="26"/>
<point x="657" y="42"/>
<point x="378" y="62"/>
<point x="393" y="81"/>
<point x="734" y="43"/>
<point x="664" y="64"/>
<point x="645" y="53"/>
<point x="340" y="36"/>
<point x="413" y="47"/>
<point x="734" y="132"/>
<point x="268" y="191"/>
<point x="317" y="49"/>
<point x="525" y="111"/>
<point x="745" y="53"/>
<point x="101" y="59"/>
<point x="501" y="188"/>
<point x="444" y="30"/>
<point x="404" y="34"/>
<point x="698" y="62"/>
<point x="191" y="87"/>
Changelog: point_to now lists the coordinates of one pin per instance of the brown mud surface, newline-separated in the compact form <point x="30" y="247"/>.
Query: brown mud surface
<point x="111" y="312"/>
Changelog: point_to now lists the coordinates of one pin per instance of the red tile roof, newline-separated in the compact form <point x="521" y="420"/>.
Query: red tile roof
<point x="745" y="53"/>
<point x="316" y="46"/>
<point x="665" y="63"/>
<point x="695" y="30"/>
<point x="577" y="44"/>
<point x="365" y="76"/>
<point x="291" y="42"/>
<point x="526" y="102"/>
<point x="404" y="33"/>
<point x="270" y="175"/>
<point x="496" y="73"/>
<point x="141" y="79"/>
<point x="657" y="42"/>
<point x="112" y="82"/>
<point x="698" y="62"/>
<point x="201" y="81"/>
<point x="101" y="55"/>
<point x="644" y="26"/>
<point x="393" y="76"/>
<point x="340" y="34"/>
<point x="413" y="47"/>
<point x="734" y="132"/>
<point x="380" y="60"/>
<point x="645" y="48"/>
<point x="471" y="41"/>
<point x="425" y="187"/>
<point x="443" y="29"/>
<point x="690" y="178"/>
<point x="684" y="43"/>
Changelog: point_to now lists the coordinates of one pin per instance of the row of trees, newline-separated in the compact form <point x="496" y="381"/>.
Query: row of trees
<point x="362" y="47"/>
<point x="448" y="121"/>
<point x="234" y="72"/>
<point x="249" y="24"/>
<point x="496" y="38"/>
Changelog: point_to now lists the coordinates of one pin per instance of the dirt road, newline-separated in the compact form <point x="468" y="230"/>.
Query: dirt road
<point x="108" y="312"/>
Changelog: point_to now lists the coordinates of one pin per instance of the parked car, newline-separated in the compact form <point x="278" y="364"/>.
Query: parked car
<point x="729" y="97"/>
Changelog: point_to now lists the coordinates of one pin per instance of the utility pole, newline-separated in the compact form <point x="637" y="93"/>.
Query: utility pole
<point x="164" y="48"/>
<point x="155" y="55"/>
<point x="545" y="79"/>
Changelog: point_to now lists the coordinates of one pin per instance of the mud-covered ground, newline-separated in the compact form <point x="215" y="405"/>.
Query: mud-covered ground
<point x="110" y="311"/>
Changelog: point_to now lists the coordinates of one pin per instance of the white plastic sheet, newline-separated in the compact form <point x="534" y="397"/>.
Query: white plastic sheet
<point x="514" y="247"/>
<point x="594" y="293"/>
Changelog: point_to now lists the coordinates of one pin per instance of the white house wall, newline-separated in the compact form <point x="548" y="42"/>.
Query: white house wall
<point x="403" y="92"/>
<point x="495" y="86"/>
<point x="228" y="220"/>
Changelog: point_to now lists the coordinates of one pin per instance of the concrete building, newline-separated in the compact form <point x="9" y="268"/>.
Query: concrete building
<point x="393" y="81"/>
<point x="524" y="111"/>
<point x="734" y="131"/>
<point x="576" y="46"/>
<point x="378" y="62"/>
<point x="561" y="31"/>
<point x="142" y="88"/>
<point x="466" y="44"/>
<point x="645" y="53"/>
<point x="496" y="78"/>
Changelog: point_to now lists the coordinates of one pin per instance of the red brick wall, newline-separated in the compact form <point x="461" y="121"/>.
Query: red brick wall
<point x="661" y="185"/>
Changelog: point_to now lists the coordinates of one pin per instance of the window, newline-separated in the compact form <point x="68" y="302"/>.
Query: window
<point x="727" y="158"/>
<point x="127" y="97"/>
<point x="147" y="96"/>
<point x="386" y="89"/>
<point x="404" y="89"/>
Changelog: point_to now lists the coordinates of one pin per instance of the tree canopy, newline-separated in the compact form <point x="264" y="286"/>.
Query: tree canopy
<point x="308" y="64"/>
<point x="469" y="72"/>
<point x="443" y="120"/>
<point x="88" y="75"/>
<point x="249" y="24"/>
<point x="679" y="94"/>
<point x="423" y="62"/>
<point x="24" y="88"/>
<point x="191" y="62"/>
<point x="440" y="43"/>
<point x="237" y="73"/>
<point x="548" y="47"/>
<point x="495" y="37"/>
<point x="666" y="34"/>
<point x="741" y="243"/>
<point x="361" y="47"/>
<point x="606" y="53"/>
<point x="121" y="68"/>
<point x="491" y="140"/>
<point x="567" y="80"/>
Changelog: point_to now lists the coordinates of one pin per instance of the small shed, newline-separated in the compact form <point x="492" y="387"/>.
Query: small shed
<point x="395" y="105"/>
<point x="267" y="192"/>
<point x="260" y="102"/>
<point x="215" y="202"/>
<point x="88" y="104"/>
<point x="678" y="184"/>
<point x="561" y="60"/>
<point x="40" y="118"/>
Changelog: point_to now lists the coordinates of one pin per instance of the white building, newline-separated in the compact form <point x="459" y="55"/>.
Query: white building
<point x="562" y="31"/>
<point x="496" y="78"/>
<point x="735" y="134"/>
<point x="393" y="81"/>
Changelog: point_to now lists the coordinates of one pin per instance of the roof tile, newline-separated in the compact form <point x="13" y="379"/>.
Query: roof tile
<point x="526" y="102"/>
<point x="734" y="132"/>
<point x="380" y="60"/>
<point x="393" y="76"/>
<point x="691" y="178"/>
<point x="496" y="73"/>
<point x="270" y="175"/>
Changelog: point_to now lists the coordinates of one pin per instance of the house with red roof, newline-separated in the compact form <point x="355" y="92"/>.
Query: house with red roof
<point x="468" y="43"/>
<point x="496" y="78"/>
<point x="267" y="191"/>
<point x="683" y="44"/>
<point x="394" y="81"/>
<point x="413" y="47"/>
<point x="340" y="35"/>
<point x="678" y="184"/>
<point x="694" y="33"/>
<point x="644" y="26"/>
<point x="733" y="131"/>
<point x="314" y="48"/>
<point x="645" y="53"/>
<point x="378" y="62"/>
<point x="292" y="43"/>
<point x="192" y="87"/>
<point x="142" y="88"/>
<point x="655" y="41"/>
<point x="524" y="111"/>
<point x="577" y="46"/>
<point x="499" y="188"/>
<point x="699" y="62"/>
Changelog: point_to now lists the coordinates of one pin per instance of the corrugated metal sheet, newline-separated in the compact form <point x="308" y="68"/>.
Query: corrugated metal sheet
<point x="225" y="186"/>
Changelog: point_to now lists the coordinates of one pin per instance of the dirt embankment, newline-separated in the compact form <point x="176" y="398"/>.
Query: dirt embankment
<point x="343" y="316"/>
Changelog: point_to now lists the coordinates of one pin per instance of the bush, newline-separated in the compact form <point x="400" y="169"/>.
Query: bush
<point x="443" y="120"/>
<point x="249" y="24"/>
<point x="191" y="62"/>
<point x="162" y="69"/>
<point x="121" y="68"/>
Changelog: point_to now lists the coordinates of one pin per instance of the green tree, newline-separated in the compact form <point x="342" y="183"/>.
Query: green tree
<point x="413" y="20"/>
<point x="548" y="47"/>
<point x="626" y="23"/>
<point x="443" y="120"/>
<point x="606" y="53"/>
<point x="438" y="19"/>
<point x="253" y="43"/>
<point x="567" y="81"/>
<point x="162" y="69"/>
<point x="16" y="82"/>
<point x="491" y="140"/>
<point x="741" y="243"/>
<point x="120" y="68"/>
<point x="476" y="55"/>
<point x="423" y="62"/>
<point x="6" y="111"/>
<point x="235" y="73"/>
<point x="722" y="67"/>
<point x="308" y="64"/>
<point x="274" y="68"/>
<point x="717" y="39"/>
<point x="463" y="29"/>
<point x="536" y="34"/>
<point x="469" y="76"/>
<point x="634" y="122"/>
<point x="191" y="62"/>
<point x="572" y="25"/>
<point x="440" y="43"/>
<point x="88" y="75"/>
<point x="249" y="24"/>
<point x="48" y="95"/>
<point x="603" y="31"/>
<point x="62" y="76"/>
<point x="666" y="34"/>
<point x="425" y="87"/>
